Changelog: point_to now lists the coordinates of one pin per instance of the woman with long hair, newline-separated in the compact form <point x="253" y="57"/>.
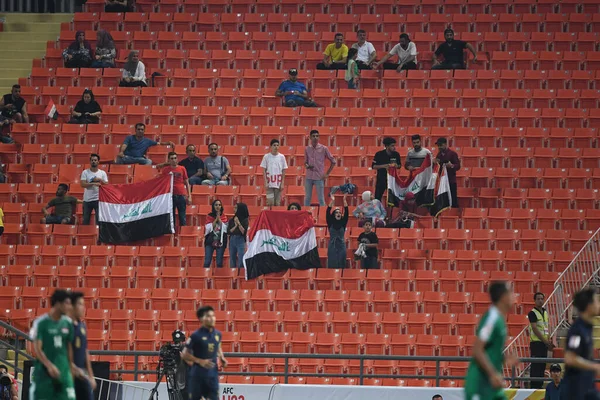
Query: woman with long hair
<point x="87" y="110"/>
<point x="336" y="224"/>
<point x="134" y="71"/>
<point x="237" y="235"/>
<point x="215" y="234"/>
<point x="79" y="53"/>
<point x="105" y="50"/>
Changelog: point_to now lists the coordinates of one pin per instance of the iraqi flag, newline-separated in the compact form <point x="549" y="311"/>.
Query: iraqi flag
<point x="443" y="197"/>
<point x="51" y="111"/>
<point x="139" y="211"/>
<point x="417" y="182"/>
<point x="280" y="240"/>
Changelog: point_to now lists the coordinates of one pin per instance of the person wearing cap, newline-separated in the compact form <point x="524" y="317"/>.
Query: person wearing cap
<point x="539" y="338"/>
<point x="453" y="52"/>
<point x="405" y="50"/>
<point x="383" y="160"/>
<point x="335" y="54"/>
<point x="366" y="50"/>
<point x="294" y="92"/>
<point x="450" y="158"/>
<point x="552" y="387"/>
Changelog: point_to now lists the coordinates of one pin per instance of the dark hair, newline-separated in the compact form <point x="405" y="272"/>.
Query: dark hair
<point x="388" y="141"/>
<point x="367" y="221"/>
<point x="64" y="185"/>
<point x="405" y="36"/>
<point x="339" y="34"/>
<point x="171" y="153"/>
<point x="140" y="124"/>
<point x="190" y="145"/>
<point x="88" y="91"/>
<point x="313" y="132"/>
<point x="294" y="204"/>
<point x="437" y="396"/>
<point x="59" y="296"/>
<point x="213" y="212"/>
<point x="76" y="296"/>
<point x="415" y="137"/>
<point x="360" y="31"/>
<point x="2" y="366"/>
<point x="213" y="144"/>
<point x="583" y="299"/>
<point x="273" y="141"/>
<point x="536" y="295"/>
<point x="242" y="211"/>
<point x="203" y="310"/>
<point x="95" y="155"/>
<point x="16" y="86"/>
<point x="497" y="290"/>
<point x="448" y="31"/>
<point x="351" y="53"/>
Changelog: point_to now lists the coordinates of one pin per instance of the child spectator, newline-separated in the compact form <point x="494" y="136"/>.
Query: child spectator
<point x="336" y="224"/>
<point x="367" y="248"/>
<point x="352" y="73"/>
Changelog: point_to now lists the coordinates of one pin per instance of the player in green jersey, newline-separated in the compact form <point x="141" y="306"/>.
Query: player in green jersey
<point x="484" y="379"/>
<point x="52" y="335"/>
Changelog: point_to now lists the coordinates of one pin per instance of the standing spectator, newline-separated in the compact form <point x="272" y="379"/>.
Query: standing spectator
<point x="274" y="166"/>
<point x="91" y="180"/>
<point x="105" y="50"/>
<point x="416" y="155"/>
<point x="336" y="225"/>
<point x="64" y="207"/>
<point x="14" y="107"/>
<point x="450" y="158"/>
<point x="335" y="54"/>
<point x="294" y="207"/>
<point x="237" y="235"/>
<point x="370" y="210"/>
<point x="453" y="52"/>
<point x="216" y="168"/>
<point x="294" y="92"/>
<point x="193" y="165"/>
<point x="215" y="236"/>
<point x="539" y="339"/>
<point x="87" y="110"/>
<point x="368" y="242"/>
<point x="366" y="50"/>
<point x="405" y="50"/>
<point x="383" y="160"/>
<point x="79" y="53"/>
<point x="134" y="148"/>
<point x="552" y="389"/>
<point x="182" y="192"/>
<point x="352" y="73"/>
<point x="314" y="162"/>
<point x="118" y="6"/>
<point x="134" y="71"/>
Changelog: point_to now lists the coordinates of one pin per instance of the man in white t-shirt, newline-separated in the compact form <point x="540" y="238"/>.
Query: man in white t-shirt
<point x="405" y="50"/>
<point x="366" y="50"/>
<point x="274" y="166"/>
<point x="91" y="179"/>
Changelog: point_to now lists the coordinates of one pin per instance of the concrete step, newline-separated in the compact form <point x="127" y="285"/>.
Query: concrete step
<point x="17" y="64"/>
<point x="40" y="27"/>
<point x="19" y="54"/>
<point x="20" y="37"/>
<point x="10" y="47"/>
<point x="36" y="18"/>
<point x="7" y="82"/>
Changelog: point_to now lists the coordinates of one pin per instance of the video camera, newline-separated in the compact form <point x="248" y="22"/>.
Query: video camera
<point x="170" y="353"/>
<point x="5" y="380"/>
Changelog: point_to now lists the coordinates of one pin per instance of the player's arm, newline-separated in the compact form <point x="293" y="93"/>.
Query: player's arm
<point x="90" y="371"/>
<point x="574" y="360"/>
<point x="41" y="356"/>
<point x="75" y="370"/>
<point x="222" y="356"/>
<point x="483" y="361"/>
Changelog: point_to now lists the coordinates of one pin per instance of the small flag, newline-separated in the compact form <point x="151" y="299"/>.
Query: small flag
<point x="443" y="196"/>
<point x="51" y="111"/>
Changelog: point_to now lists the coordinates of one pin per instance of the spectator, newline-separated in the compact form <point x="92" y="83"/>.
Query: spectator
<point x="274" y="166"/>
<point x="294" y="207"/>
<point x="79" y="53"/>
<point x="91" y="180"/>
<point x="409" y="210"/>
<point x="64" y="207"/>
<point x="450" y="158"/>
<point x="5" y="132"/>
<point x="14" y="107"/>
<point x="366" y="50"/>
<point x="8" y="392"/>
<point x="1" y="221"/>
<point x="105" y="50"/>
<point x="134" y="71"/>
<point x="335" y="54"/>
<point x="383" y="160"/>
<point x="314" y="162"/>
<point x="370" y="210"/>
<point x="134" y="148"/>
<point x="552" y="389"/>
<point x="294" y="92"/>
<point x="216" y="168"/>
<point x="182" y="192"/>
<point x="352" y="73"/>
<point x="405" y="50"/>
<point x="118" y="6"/>
<point x="453" y="53"/>
<point x="87" y="110"/>
<point x="215" y="236"/>
<point x="193" y="165"/>
<point x="336" y="225"/>
<point x="237" y="235"/>
<point x="539" y="339"/>
<point x="416" y="155"/>
<point x="437" y="397"/>
<point x="367" y="248"/>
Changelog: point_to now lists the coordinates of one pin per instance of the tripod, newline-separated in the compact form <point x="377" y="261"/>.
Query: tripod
<point x="173" y="391"/>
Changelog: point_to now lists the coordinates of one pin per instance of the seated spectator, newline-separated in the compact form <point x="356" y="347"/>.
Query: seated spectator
<point x="14" y="107"/>
<point x="193" y="165"/>
<point x="453" y="52"/>
<point x="294" y="207"/>
<point x="405" y="50"/>
<point x="134" y="71"/>
<point x="5" y="131"/>
<point x="118" y="6"/>
<point x="294" y="92"/>
<point x="105" y="50"/>
<point x="64" y="207"/>
<point x="134" y="148"/>
<point x="352" y="73"/>
<point x="217" y="169"/>
<point x="367" y="247"/>
<point x="335" y="54"/>
<point x="79" y="53"/>
<point x="370" y="210"/>
<point x="87" y="110"/>
<point x="366" y="50"/>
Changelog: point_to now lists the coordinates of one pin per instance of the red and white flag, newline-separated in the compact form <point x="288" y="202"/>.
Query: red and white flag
<point x="51" y="111"/>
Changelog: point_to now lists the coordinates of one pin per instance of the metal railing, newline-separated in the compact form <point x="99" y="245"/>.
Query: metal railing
<point x="19" y="339"/>
<point x="581" y="272"/>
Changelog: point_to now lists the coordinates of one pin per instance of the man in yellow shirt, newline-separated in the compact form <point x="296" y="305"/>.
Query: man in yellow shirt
<point x="335" y="54"/>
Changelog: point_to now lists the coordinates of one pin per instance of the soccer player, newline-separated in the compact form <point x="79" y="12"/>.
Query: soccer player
<point x="52" y="335"/>
<point x="203" y="348"/>
<point x="581" y="371"/>
<point x="484" y="379"/>
<point x="85" y="383"/>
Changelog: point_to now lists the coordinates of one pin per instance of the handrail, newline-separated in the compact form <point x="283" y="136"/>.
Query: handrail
<point x="17" y="348"/>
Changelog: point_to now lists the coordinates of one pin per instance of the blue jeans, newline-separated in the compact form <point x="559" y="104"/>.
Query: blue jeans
<point x="6" y="139"/>
<point x="237" y="247"/>
<point x="102" y="64"/>
<point x="180" y="205"/>
<point x="215" y="182"/>
<point x="208" y="253"/>
<point x="352" y="85"/>
<point x="196" y="180"/>
<point x="56" y="219"/>
<point x="88" y="207"/>
<point x="134" y="160"/>
<point x="308" y="188"/>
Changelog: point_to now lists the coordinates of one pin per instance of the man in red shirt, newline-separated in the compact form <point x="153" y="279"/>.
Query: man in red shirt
<point x="182" y="194"/>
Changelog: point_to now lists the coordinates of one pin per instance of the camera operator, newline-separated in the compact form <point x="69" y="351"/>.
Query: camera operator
<point x="8" y="385"/>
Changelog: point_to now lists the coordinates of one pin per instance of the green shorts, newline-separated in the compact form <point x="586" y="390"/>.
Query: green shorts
<point x="46" y="388"/>
<point x="478" y="389"/>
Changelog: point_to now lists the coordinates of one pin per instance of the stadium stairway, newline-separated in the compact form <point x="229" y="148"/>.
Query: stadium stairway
<point x="23" y="39"/>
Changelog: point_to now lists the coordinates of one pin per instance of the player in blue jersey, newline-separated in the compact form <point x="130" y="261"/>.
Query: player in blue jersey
<point x="85" y="383"/>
